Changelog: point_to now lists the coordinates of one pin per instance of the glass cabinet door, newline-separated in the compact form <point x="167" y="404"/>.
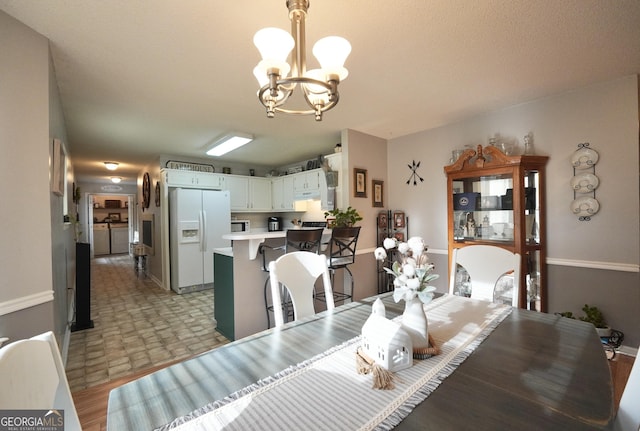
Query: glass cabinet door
<point x="483" y="209"/>
<point x="532" y="207"/>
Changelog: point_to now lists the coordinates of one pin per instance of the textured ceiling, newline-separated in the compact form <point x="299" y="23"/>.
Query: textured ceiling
<point x="143" y="78"/>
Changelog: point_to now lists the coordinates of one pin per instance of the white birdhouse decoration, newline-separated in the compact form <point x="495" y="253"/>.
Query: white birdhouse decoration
<point x="386" y="342"/>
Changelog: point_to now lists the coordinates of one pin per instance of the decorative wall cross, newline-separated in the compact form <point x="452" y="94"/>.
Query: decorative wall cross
<point x="414" y="177"/>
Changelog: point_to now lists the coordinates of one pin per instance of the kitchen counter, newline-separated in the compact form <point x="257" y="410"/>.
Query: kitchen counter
<point x="239" y="282"/>
<point x="225" y="251"/>
<point x="256" y="237"/>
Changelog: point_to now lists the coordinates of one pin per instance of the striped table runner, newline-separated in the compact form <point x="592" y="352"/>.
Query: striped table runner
<point x="326" y="392"/>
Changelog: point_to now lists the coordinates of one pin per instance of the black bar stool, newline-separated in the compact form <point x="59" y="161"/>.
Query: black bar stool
<point x="342" y="253"/>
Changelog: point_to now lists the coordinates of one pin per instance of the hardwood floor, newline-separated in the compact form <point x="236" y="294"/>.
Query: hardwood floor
<point x="620" y="370"/>
<point x="91" y="403"/>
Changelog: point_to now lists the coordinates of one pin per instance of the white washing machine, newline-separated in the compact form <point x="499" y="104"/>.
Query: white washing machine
<point x="119" y="238"/>
<point x="101" y="239"/>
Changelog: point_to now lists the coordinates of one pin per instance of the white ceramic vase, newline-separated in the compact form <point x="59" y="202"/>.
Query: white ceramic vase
<point x="414" y="321"/>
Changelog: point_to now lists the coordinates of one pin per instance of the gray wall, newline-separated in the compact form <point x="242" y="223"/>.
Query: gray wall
<point x="33" y="242"/>
<point x="592" y="262"/>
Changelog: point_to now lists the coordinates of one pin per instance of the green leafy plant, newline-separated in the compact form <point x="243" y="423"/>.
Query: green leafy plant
<point x="592" y="315"/>
<point x="343" y="218"/>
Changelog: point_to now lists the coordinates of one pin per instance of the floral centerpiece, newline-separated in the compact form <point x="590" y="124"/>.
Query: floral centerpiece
<point x="412" y="273"/>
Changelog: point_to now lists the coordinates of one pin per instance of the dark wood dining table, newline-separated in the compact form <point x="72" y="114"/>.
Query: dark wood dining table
<point x="535" y="371"/>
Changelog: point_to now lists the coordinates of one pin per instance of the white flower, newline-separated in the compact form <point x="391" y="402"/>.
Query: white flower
<point x="413" y="284"/>
<point x="416" y="244"/>
<point x="409" y="270"/>
<point x="389" y="243"/>
<point x="403" y="247"/>
<point x="380" y="253"/>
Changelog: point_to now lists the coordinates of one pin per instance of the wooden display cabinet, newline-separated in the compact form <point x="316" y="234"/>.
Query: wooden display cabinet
<point x="499" y="200"/>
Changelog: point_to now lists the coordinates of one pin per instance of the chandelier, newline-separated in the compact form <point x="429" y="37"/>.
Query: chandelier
<point x="318" y="86"/>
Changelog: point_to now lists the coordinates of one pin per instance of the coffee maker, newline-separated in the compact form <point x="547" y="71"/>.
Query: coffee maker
<point x="274" y="224"/>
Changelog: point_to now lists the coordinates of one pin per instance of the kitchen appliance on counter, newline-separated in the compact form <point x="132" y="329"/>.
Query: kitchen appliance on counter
<point x="198" y="219"/>
<point x="274" y="224"/>
<point x="240" y="226"/>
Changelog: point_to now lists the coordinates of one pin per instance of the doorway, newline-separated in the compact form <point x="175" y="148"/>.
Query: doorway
<point x="111" y="223"/>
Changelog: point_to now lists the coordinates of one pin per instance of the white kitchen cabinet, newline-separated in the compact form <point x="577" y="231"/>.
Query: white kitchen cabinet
<point x="238" y="187"/>
<point x="249" y="193"/>
<point x="307" y="182"/>
<point x="282" y="193"/>
<point x="176" y="177"/>
<point x="260" y="194"/>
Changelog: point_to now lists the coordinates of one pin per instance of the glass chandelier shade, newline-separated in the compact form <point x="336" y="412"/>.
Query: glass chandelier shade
<point x="319" y="87"/>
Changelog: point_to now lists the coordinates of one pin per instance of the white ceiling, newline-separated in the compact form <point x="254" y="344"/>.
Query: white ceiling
<point x="140" y="78"/>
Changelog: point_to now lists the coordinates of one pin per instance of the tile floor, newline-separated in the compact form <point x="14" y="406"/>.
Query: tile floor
<point x="137" y="325"/>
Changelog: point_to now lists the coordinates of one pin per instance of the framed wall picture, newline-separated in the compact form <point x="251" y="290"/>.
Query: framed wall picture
<point x="360" y="183"/>
<point x="382" y="220"/>
<point x="58" y="164"/>
<point x="398" y="220"/>
<point x="377" y="187"/>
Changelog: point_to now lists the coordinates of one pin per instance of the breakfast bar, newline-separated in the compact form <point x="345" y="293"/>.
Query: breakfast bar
<point x="239" y="282"/>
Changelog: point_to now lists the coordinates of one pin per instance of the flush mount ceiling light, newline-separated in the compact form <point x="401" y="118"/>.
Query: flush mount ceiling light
<point x="112" y="166"/>
<point x="116" y="180"/>
<point x="318" y="86"/>
<point x="229" y="143"/>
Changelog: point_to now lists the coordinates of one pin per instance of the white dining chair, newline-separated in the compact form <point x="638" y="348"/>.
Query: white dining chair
<point x="295" y="240"/>
<point x="628" y="415"/>
<point x="33" y="377"/>
<point x="485" y="265"/>
<point x="297" y="272"/>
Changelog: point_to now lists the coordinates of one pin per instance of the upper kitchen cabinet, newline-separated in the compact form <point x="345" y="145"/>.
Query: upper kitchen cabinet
<point x="499" y="200"/>
<point x="307" y="183"/>
<point x="177" y="177"/>
<point x="238" y="187"/>
<point x="282" y="193"/>
<point x="249" y="193"/>
<point x="260" y="194"/>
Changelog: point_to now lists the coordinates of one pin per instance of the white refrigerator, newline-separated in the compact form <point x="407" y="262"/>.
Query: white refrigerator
<point x="198" y="219"/>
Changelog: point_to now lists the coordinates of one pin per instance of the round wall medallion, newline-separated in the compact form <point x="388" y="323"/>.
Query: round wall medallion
<point x="146" y="190"/>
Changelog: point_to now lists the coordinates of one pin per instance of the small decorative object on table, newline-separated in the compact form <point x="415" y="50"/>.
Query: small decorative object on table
<point x="386" y="347"/>
<point x="412" y="273"/>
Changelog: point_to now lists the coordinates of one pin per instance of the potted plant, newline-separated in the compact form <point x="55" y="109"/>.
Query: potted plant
<point x="342" y="218"/>
<point x="593" y="315"/>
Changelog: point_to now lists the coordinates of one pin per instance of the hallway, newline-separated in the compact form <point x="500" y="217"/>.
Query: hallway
<point x="138" y="325"/>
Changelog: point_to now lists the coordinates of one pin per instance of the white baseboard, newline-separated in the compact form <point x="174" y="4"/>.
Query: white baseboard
<point x="629" y="351"/>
